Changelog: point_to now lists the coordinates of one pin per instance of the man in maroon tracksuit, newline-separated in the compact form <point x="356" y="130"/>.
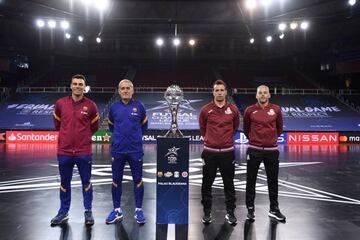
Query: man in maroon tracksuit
<point x="219" y="121"/>
<point x="76" y="118"/>
<point x="263" y="124"/>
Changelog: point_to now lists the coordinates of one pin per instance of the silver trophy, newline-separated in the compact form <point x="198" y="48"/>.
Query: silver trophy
<point x="173" y="96"/>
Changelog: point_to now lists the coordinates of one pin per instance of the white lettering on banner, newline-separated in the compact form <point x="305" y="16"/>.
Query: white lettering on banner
<point x="354" y="139"/>
<point x="12" y="106"/>
<point x="32" y="106"/>
<point x="42" y="112"/>
<point x="321" y="126"/>
<point x="148" y="138"/>
<point x="33" y="109"/>
<point x="97" y="138"/>
<point x="306" y="115"/>
<point x="31" y="137"/>
<point x="308" y="112"/>
<point x="312" y="138"/>
<point x="197" y="138"/>
<point x="183" y="118"/>
<point x="310" y="109"/>
<point x="34" y="137"/>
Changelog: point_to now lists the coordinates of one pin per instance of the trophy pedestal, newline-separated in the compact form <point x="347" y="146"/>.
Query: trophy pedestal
<point x="172" y="188"/>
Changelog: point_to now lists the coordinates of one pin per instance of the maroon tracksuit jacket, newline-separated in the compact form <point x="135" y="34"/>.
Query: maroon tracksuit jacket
<point x="218" y="126"/>
<point x="262" y="126"/>
<point x="76" y="123"/>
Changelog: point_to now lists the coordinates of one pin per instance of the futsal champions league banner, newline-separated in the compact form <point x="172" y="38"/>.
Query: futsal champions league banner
<point x="310" y="112"/>
<point x="159" y="115"/>
<point x="28" y="111"/>
<point x="26" y="116"/>
<point x="34" y="111"/>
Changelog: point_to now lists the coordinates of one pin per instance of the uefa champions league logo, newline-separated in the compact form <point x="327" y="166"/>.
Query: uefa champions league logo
<point x="172" y="155"/>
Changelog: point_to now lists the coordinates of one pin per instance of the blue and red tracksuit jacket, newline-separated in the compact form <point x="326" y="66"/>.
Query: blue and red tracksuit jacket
<point x="76" y="123"/>
<point x="127" y="122"/>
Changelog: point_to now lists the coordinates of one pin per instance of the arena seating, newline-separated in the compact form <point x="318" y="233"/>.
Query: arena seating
<point x="166" y="77"/>
<point x="95" y="78"/>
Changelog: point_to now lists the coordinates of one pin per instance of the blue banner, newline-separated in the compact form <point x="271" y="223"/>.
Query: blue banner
<point x="172" y="191"/>
<point x="29" y="111"/>
<point x="34" y="110"/>
<point x="309" y="112"/>
<point x="160" y="117"/>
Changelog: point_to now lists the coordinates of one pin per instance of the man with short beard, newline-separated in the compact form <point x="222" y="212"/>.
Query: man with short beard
<point x="219" y="121"/>
<point x="263" y="124"/>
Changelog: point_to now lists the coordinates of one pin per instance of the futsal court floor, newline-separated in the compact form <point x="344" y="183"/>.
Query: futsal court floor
<point x="319" y="192"/>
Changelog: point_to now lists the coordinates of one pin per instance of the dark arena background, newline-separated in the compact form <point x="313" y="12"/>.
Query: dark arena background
<point x="306" y="51"/>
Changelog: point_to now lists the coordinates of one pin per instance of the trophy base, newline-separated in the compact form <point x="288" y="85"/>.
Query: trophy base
<point x="174" y="134"/>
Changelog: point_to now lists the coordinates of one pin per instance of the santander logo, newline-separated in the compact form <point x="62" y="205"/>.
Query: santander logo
<point x="12" y="137"/>
<point x="32" y="137"/>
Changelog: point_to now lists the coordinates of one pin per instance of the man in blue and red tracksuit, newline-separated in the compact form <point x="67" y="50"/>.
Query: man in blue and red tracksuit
<point x="219" y="120"/>
<point x="263" y="124"/>
<point x="76" y="118"/>
<point x="127" y="122"/>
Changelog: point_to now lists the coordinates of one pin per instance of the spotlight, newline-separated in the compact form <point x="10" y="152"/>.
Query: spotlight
<point x="64" y="25"/>
<point x="281" y="36"/>
<point x="266" y="3"/>
<point x="98" y="40"/>
<point x="80" y="38"/>
<point x="51" y="24"/>
<point x="87" y="2"/>
<point x="352" y="2"/>
<point x="192" y="42"/>
<point x="293" y="25"/>
<point x="159" y="42"/>
<point x="269" y="38"/>
<point x="252" y="40"/>
<point x="282" y="26"/>
<point x="67" y="35"/>
<point x="176" y="42"/>
<point x="40" y="23"/>
<point x="102" y="4"/>
<point x="304" y="25"/>
<point x="250" y="4"/>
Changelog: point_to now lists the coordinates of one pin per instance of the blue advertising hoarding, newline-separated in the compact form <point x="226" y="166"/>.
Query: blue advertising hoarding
<point x="35" y="110"/>
<point x="309" y="112"/>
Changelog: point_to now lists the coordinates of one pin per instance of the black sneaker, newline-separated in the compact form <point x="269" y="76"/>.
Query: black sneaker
<point x="207" y="218"/>
<point x="277" y="215"/>
<point x="230" y="218"/>
<point x="89" y="219"/>
<point x="59" y="219"/>
<point x="251" y="214"/>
